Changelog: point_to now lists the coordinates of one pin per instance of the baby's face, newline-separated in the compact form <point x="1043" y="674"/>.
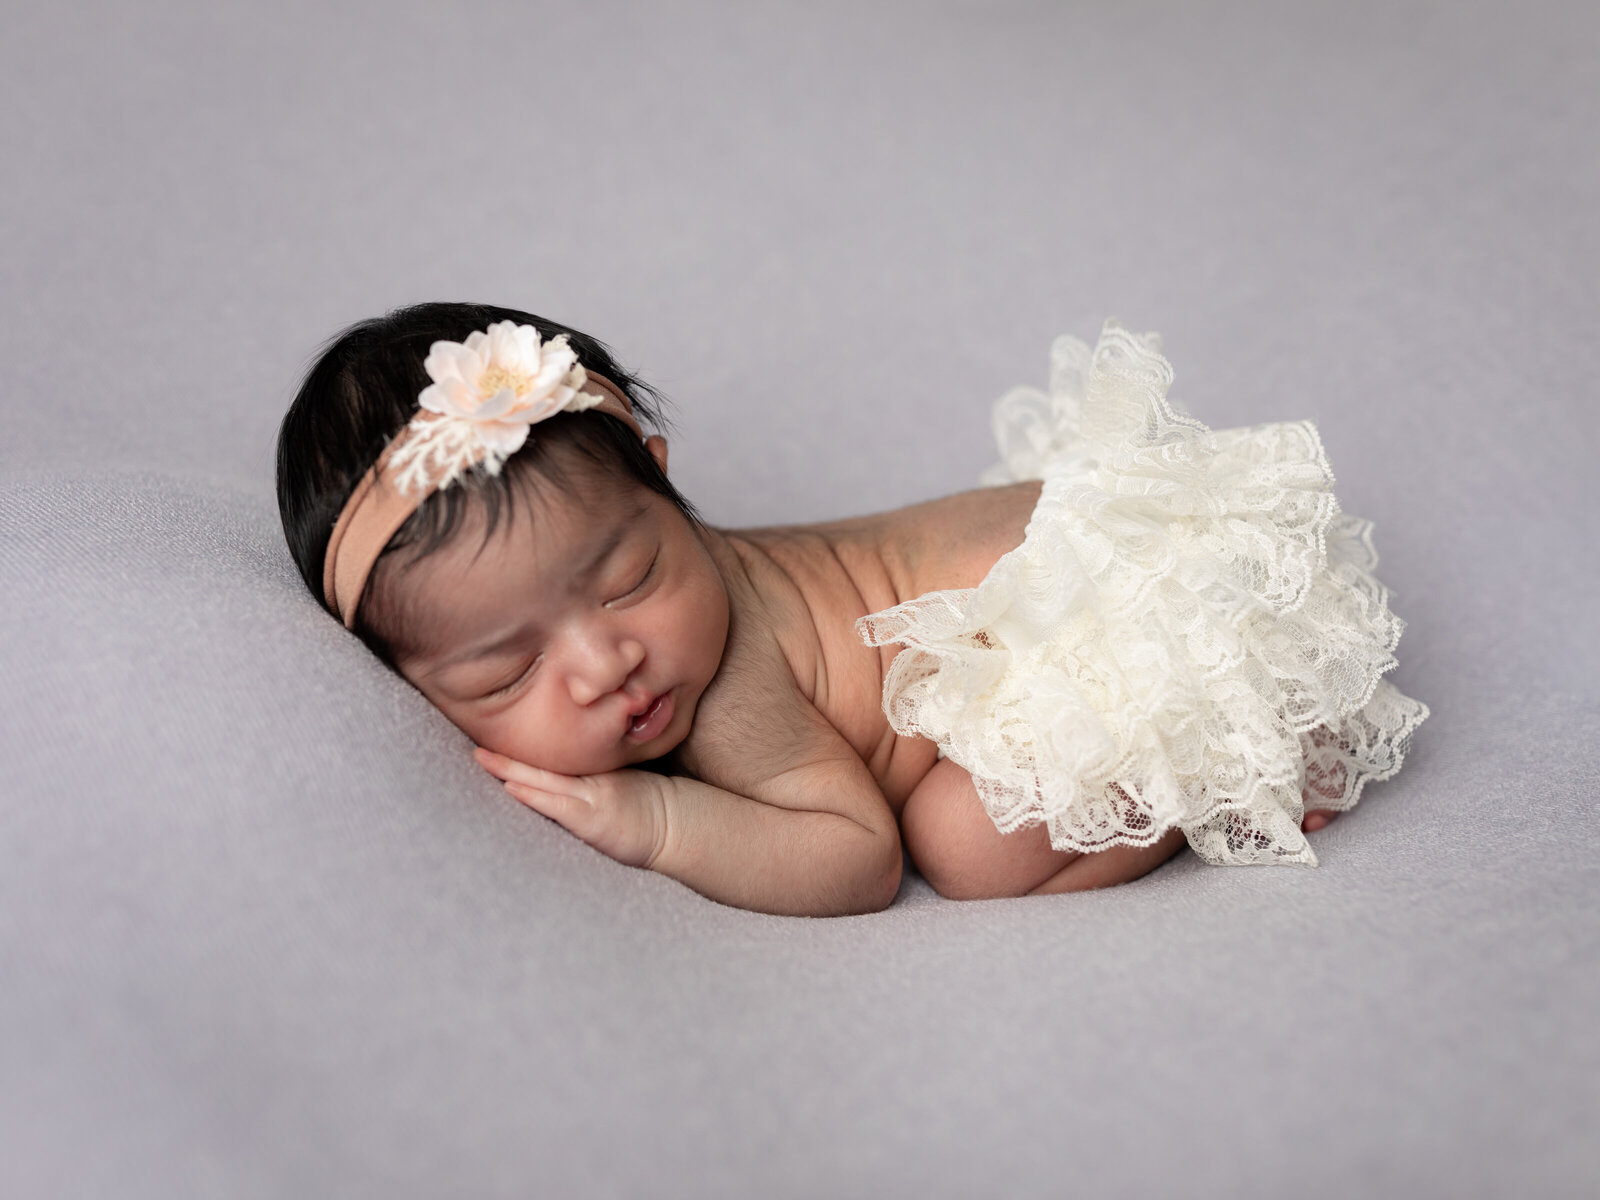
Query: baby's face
<point x="579" y="642"/>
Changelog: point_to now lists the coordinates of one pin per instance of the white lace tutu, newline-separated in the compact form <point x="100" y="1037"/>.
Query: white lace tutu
<point x="1189" y="635"/>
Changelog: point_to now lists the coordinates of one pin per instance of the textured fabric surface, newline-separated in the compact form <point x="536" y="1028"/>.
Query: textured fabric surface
<point x="265" y="930"/>
<point x="1189" y="636"/>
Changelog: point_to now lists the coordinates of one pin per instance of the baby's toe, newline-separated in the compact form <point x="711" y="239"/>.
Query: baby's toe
<point x="1316" y="819"/>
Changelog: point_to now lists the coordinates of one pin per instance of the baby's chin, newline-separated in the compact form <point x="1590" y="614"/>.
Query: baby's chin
<point x="658" y="749"/>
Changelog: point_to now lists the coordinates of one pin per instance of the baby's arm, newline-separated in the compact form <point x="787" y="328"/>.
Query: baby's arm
<point x="815" y="838"/>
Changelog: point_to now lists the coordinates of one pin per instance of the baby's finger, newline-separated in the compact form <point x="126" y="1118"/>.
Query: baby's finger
<point x="512" y="771"/>
<point x="568" y="811"/>
<point x="491" y="762"/>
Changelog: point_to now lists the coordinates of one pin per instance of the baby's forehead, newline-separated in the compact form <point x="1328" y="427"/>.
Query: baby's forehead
<point x="580" y="499"/>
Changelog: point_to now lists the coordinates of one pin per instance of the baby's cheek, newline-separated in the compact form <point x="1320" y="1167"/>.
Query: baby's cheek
<point x="709" y="634"/>
<point x="571" y="757"/>
<point x="527" y="733"/>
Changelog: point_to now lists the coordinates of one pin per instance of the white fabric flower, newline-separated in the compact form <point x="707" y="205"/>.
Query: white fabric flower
<point x="485" y="394"/>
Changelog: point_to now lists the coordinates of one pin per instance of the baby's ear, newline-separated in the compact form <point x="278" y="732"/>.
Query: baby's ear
<point x="657" y="445"/>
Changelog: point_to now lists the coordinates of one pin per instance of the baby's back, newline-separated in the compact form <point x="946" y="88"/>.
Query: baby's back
<point x="808" y="584"/>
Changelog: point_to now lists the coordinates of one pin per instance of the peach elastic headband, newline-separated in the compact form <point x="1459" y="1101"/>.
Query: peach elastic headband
<point x="486" y="394"/>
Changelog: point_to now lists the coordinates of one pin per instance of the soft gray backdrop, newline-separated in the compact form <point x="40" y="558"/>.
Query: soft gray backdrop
<point x="266" y="931"/>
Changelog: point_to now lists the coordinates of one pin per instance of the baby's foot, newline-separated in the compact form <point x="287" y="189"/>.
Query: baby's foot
<point x="1316" y="819"/>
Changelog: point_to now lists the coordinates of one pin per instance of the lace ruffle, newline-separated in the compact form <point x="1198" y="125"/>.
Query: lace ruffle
<point x="1190" y="634"/>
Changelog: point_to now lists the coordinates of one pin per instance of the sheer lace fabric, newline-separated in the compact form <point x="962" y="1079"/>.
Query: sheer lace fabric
<point x="1190" y="634"/>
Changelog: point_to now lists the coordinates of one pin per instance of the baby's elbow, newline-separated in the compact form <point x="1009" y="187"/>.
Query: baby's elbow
<point x="888" y="877"/>
<point x="878" y="875"/>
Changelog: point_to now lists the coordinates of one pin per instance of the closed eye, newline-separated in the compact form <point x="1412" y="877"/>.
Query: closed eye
<point x="643" y="579"/>
<point x="501" y="691"/>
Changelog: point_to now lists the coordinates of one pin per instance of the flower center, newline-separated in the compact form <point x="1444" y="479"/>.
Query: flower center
<point x="497" y="377"/>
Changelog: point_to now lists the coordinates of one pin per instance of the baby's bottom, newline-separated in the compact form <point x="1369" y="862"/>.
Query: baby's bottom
<point x="963" y="856"/>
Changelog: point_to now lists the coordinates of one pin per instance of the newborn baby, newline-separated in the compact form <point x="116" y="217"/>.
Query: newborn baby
<point x="734" y="708"/>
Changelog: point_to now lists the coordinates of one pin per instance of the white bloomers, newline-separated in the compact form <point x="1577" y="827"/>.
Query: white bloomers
<point x="1190" y="634"/>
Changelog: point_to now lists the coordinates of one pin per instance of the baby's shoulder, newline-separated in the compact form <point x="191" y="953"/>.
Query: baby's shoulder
<point x="763" y="712"/>
<point x="753" y="721"/>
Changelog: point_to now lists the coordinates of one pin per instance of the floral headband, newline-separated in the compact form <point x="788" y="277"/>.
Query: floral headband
<point x="485" y="395"/>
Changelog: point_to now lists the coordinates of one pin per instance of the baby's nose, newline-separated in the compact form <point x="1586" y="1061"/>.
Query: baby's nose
<point x="604" y="669"/>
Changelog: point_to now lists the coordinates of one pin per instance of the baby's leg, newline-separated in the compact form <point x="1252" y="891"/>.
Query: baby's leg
<point x="958" y="850"/>
<point x="1119" y="864"/>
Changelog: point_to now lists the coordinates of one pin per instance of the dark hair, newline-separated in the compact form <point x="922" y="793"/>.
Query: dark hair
<point x="362" y="389"/>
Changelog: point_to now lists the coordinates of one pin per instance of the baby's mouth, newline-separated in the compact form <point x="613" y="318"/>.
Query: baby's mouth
<point x="652" y="720"/>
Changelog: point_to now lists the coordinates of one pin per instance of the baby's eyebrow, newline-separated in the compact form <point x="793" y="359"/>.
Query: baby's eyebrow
<point x="470" y="655"/>
<point x="592" y="564"/>
<point x="626" y="522"/>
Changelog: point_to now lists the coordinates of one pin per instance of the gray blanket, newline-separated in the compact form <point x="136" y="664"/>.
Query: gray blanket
<point x="266" y="930"/>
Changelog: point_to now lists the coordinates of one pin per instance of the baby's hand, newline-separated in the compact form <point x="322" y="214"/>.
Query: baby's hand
<point x="619" y="813"/>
